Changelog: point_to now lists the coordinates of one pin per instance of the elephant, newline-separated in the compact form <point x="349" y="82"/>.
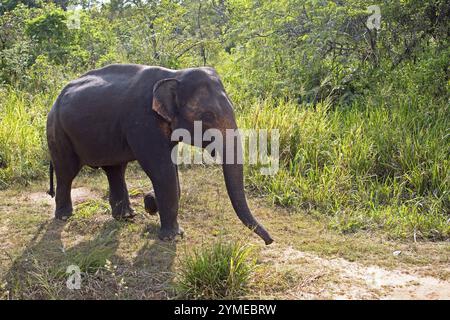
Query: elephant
<point x="126" y="112"/>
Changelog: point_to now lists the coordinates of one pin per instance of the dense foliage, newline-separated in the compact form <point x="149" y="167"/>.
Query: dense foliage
<point x="363" y="113"/>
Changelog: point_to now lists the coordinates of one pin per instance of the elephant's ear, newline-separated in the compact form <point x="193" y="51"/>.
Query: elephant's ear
<point x="165" y="98"/>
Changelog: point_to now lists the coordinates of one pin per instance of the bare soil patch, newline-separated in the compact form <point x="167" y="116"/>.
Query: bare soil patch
<point x="355" y="281"/>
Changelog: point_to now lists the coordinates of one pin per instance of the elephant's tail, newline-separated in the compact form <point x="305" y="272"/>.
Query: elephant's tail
<point x="51" y="191"/>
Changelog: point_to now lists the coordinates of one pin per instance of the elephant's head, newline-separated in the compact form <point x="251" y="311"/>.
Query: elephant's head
<point x="198" y="95"/>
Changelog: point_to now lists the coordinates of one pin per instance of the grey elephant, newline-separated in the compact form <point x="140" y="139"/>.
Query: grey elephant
<point x="124" y="112"/>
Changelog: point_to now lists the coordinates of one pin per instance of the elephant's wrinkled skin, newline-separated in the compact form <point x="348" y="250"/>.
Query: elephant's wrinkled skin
<point x="122" y="113"/>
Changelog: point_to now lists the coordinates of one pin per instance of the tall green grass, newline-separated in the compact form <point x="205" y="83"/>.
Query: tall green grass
<point x="23" y="146"/>
<point x="367" y="166"/>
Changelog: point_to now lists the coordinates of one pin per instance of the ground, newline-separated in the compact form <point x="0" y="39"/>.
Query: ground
<point x="126" y="260"/>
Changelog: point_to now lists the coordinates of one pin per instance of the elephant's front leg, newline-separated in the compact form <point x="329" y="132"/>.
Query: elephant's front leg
<point x="159" y="167"/>
<point x="165" y="184"/>
<point x="167" y="201"/>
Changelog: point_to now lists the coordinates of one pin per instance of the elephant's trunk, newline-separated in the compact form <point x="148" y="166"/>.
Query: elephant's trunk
<point x="234" y="182"/>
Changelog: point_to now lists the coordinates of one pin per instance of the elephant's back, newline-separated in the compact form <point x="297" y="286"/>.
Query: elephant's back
<point x="93" y="111"/>
<point x="103" y="95"/>
<point x="109" y="84"/>
<point x="115" y="88"/>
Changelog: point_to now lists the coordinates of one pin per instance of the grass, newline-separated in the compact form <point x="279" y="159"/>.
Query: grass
<point x="218" y="271"/>
<point x="126" y="260"/>
<point x="23" y="147"/>
<point x="367" y="167"/>
<point x="89" y="208"/>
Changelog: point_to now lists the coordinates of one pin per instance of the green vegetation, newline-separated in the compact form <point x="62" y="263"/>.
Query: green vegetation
<point x="218" y="271"/>
<point x="23" y="147"/>
<point x="363" y="114"/>
<point x="89" y="208"/>
<point x="366" y="166"/>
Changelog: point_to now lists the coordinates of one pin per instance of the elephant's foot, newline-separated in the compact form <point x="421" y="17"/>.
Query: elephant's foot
<point x="63" y="213"/>
<point x="123" y="212"/>
<point x="170" y="234"/>
<point x="150" y="204"/>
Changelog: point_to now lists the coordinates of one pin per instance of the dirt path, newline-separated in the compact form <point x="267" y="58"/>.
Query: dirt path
<point x="354" y="281"/>
<point x="79" y="195"/>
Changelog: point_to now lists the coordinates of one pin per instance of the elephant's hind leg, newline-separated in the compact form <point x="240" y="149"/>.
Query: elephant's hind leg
<point x="118" y="193"/>
<point x="65" y="170"/>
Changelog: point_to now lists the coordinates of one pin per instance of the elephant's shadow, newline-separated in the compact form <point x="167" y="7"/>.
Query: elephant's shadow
<point x="40" y="271"/>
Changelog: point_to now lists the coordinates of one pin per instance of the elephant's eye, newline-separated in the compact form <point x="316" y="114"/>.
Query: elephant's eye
<point x="208" y="117"/>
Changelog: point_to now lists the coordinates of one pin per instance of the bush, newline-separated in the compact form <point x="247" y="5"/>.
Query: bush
<point x="219" y="271"/>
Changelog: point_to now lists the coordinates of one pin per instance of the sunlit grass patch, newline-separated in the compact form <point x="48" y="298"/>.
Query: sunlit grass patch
<point x="221" y="270"/>
<point x="89" y="208"/>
